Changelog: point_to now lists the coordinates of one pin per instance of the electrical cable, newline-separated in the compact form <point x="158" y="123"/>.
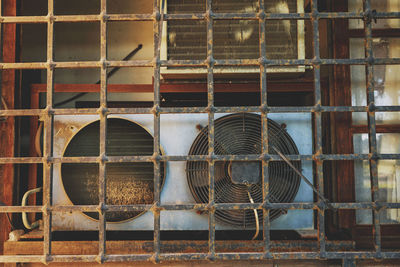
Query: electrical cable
<point x="8" y="217"/>
<point x="255" y="215"/>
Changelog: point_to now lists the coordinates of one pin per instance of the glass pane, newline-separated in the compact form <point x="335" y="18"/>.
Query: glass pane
<point x="388" y="177"/>
<point x="380" y="6"/>
<point x="386" y="79"/>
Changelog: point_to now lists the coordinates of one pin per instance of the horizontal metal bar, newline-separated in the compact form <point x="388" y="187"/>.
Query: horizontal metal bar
<point x="278" y="62"/>
<point x="77" y="64"/>
<point x="125" y="258"/>
<point x="196" y="16"/>
<point x="20" y="209"/>
<point x="24" y="65"/>
<point x="77" y="18"/>
<point x="201" y="63"/>
<point x="22" y="258"/>
<point x="361" y="255"/>
<point x="284" y="255"/>
<point x="267" y="157"/>
<point x="200" y="207"/>
<point x="130" y="17"/>
<point x="171" y="110"/>
<point x="24" y="19"/>
<point x="74" y="258"/>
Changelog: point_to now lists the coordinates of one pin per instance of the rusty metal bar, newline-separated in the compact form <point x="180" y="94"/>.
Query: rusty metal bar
<point x="264" y="122"/>
<point x="211" y="131"/>
<point x="48" y="137"/>
<point x="103" y="133"/>
<point x="201" y="207"/>
<point x="373" y="162"/>
<point x="318" y="129"/>
<point x="165" y="110"/>
<point x="157" y="31"/>
<point x="267" y="157"/>
<point x="203" y="256"/>
<point x="198" y="63"/>
<point x="195" y="16"/>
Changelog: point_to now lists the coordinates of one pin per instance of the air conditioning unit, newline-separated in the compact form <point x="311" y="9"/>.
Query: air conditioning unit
<point x="232" y="39"/>
<point x="182" y="182"/>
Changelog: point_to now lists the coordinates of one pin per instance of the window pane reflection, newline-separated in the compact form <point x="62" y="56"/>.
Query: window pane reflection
<point x="386" y="79"/>
<point x="380" y="6"/>
<point x="388" y="177"/>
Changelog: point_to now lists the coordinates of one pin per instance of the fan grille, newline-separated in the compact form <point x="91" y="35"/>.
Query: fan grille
<point x="240" y="134"/>
<point x="126" y="183"/>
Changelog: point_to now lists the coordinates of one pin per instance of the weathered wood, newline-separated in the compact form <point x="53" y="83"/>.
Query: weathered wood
<point x="341" y="123"/>
<point x="386" y="128"/>
<point x="364" y="238"/>
<point x="7" y="127"/>
<point x="180" y="246"/>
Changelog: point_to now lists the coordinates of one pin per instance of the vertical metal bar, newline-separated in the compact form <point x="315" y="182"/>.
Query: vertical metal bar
<point x="47" y="186"/>
<point x="48" y="137"/>
<point x="50" y="55"/>
<point x="349" y="263"/>
<point x="264" y="122"/>
<point x="318" y="126"/>
<point x="157" y="31"/>
<point x="211" y="133"/>
<point x="372" y="125"/>
<point x="103" y="133"/>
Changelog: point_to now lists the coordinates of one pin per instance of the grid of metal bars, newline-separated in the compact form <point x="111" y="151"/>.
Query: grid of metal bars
<point x="263" y="63"/>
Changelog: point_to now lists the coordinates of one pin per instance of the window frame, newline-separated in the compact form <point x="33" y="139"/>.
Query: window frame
<point x="343" y="141"/>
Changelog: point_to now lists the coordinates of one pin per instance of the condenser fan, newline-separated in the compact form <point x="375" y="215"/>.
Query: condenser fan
<point x="241" y="181"/>
<point x="126" y="183"/>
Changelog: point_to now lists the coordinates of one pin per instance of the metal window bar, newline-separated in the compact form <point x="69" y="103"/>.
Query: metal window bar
<point x="48" y="135"/>
<point x="263" y="63"/>
<point x="103" y="133"/>
<point x="211" y="140"/>
<point x="157" y="31"/>
<point x="264" y="122"/>
<point x="373" y="163"/>
<point x="318" y="128"/>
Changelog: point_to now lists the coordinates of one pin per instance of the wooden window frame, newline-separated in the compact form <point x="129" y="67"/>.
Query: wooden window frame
<point x="343" y="131"/>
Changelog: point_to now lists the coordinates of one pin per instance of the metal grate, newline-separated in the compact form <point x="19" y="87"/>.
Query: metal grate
<point x="241" y="134"/>
<point x="263" y="62"/>
<point x="237" y="39"/>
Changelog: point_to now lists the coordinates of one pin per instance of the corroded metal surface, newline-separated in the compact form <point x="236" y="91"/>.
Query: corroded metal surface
<point x="321" y="251"/>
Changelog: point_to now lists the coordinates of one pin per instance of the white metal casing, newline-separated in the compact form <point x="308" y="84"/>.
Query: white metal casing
<point x="177" y="134"/>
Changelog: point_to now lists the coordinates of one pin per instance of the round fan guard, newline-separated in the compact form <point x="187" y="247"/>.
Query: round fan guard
<point x="240" y="134"/>
<point x="127" y="183"/>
